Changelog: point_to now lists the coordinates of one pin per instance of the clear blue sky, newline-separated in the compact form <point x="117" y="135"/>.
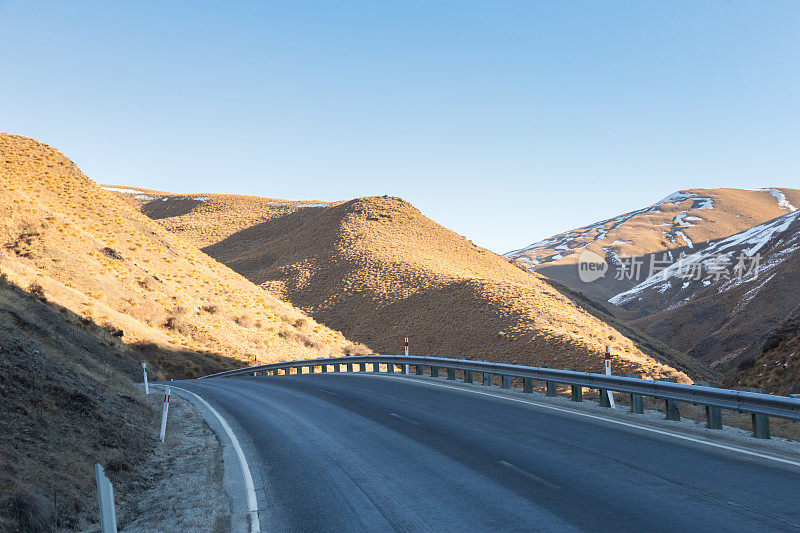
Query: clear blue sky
<point x="505" y="121"/>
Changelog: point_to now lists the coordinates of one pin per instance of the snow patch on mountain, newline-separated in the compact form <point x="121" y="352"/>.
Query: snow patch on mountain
<point x="747" y="244"/>
<point x="783" y="202"/>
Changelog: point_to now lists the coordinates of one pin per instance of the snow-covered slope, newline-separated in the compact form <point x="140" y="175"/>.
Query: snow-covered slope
<point x="720" y="302"/>
<point x="726" y="263"/>
<point x="681" y="222"/>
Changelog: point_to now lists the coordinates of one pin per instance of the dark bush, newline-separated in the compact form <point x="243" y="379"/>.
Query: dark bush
<point x="31" y="512"/>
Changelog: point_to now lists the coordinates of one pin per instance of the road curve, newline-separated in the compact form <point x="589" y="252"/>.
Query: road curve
<point x="363" y="452"/>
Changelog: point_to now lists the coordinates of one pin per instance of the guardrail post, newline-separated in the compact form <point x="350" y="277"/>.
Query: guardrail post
<point x="713" y="413"/>
<point x="552" y="391"/>
<point x="577" y="393"/>
<point x="487" y="379"/>
<point x="451" y="373"/>
<point x="713" y="417"/>
<point x="324" y="368"/>
<point x="506" y="382"/>
<point x="637" y="400"/>
<point x="419" y="370"/>
<point x="467" y="376"/>
<point x="671" y="406"/>
<point x="760" y="422"/>
<point x="376" y="367"/>
<point x="434" y="371"/>
<point x="390" y="368"/>
<point x="604" y="401"/>
<point x="527" y="385"/>
<point x="349" y="367"/>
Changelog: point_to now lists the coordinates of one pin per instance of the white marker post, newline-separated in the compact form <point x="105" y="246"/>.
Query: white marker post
<point x="146" y="386"/>
<point x="105" y="493"/>
<point x="608" y="373"/>
<point x="405" y="367"/>
<point x="164" y="411"/>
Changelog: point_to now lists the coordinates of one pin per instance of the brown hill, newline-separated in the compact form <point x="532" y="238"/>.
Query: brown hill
<point x="96" y="255"/>
<point x="777" y="368"/>
<point x="682" y="221"/>
<point x="713" y="312"/>
<point x="379" y="270"/>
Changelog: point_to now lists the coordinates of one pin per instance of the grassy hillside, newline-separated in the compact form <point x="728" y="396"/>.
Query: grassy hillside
<point x="97" y="256"/>
<point x="777" y="368"/>
<point x="67" y="402"/>
<point x="379" y="270"/>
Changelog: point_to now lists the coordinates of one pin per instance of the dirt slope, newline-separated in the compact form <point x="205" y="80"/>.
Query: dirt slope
<point x="96" y="255"/>
<point x="379" y="270"/>
<point x="67" y="402"/>
<point x="683" y="220"/>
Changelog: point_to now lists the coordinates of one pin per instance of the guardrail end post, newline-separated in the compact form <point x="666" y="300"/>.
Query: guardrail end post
<point x="487" y="379"/>
<point x="506" y="382"/>
<point x="551" y="388"/>
<point x="434" y="371"/>
<point x="527" y="385"/>
<point x="468" y="376"/>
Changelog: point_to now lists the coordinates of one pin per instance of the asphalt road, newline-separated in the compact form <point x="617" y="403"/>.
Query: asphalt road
<point x="358" y="452"/>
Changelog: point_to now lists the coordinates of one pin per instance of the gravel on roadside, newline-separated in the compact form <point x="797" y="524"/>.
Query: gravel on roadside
<point x="185" y="475"/>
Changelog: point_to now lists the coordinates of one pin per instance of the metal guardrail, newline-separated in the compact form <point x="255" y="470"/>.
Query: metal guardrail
<point x="757" y="404"/>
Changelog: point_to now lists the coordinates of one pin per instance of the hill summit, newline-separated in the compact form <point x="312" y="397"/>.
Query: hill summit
<point x="85" y="249"/>
<point x="378" y="270"/>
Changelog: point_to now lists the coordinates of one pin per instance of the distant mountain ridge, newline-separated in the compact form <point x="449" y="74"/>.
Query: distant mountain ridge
<point x="717" y="270"/>
<point x="681" y="221"/>
<point x="721" y="301"/>
<point x="379" y="270"/>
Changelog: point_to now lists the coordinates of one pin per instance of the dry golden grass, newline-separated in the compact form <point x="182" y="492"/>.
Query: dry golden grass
<point x="96" y="255"/>
<point x="378" y="270"/>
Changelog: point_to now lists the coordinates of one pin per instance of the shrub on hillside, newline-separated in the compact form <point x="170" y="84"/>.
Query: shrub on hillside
<point x="37" y="291"/>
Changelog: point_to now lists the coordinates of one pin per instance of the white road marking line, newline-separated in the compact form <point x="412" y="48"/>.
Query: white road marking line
<point x="252" y="501"/>
<point x="404" y="419"/>
<point x="613" y="421"/>
<point x="525" y="473"/>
